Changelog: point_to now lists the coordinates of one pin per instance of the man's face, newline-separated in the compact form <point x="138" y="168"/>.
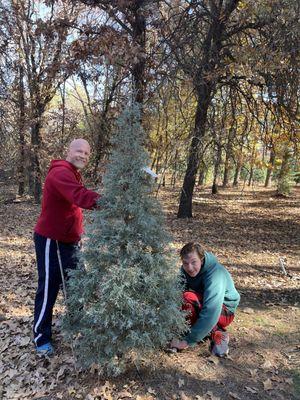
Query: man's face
<point x="192" y="263"/>
<point x="79" y="154"/>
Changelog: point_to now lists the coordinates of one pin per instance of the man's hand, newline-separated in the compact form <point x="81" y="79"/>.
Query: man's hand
<point x="179" y="344"/>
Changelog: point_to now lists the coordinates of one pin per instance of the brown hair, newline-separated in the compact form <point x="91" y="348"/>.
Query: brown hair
<point x="190" y="247"/>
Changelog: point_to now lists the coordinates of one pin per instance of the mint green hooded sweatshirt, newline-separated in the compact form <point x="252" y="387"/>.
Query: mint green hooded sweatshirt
<point x="215" y="283"/>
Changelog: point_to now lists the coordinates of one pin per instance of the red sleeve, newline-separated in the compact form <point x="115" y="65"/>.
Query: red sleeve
<point x="74" y="192"/>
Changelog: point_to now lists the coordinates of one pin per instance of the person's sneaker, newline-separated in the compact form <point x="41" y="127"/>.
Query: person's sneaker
<point x="219" y="343"/>
<point x="45" y="349"/>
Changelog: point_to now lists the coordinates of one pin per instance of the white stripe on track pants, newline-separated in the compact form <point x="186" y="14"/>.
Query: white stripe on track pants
<point x="49" y="282"/>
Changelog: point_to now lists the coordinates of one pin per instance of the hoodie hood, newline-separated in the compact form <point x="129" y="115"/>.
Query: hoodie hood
<point x="65" y="164"/>
<point x="61" y="163"/>
<point x="210" y="260"/>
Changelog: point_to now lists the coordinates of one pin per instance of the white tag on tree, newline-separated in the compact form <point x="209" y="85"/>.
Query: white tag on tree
<point x="150" y="172"/>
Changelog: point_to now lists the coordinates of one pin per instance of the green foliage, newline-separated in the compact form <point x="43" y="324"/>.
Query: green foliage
<point x="259" y="174"/>
<point x="126" y="303"/>
<point x="284" y="185"/>
<point x="296" y="176"/>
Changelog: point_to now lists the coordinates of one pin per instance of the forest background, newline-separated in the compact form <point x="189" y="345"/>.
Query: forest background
<point x="218" y="82"/>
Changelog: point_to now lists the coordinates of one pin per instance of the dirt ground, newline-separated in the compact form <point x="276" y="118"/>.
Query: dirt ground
<point x="249" y="231"/>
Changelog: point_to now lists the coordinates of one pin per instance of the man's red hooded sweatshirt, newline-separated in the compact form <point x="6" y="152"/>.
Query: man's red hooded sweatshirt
<point x="63" y="198"/>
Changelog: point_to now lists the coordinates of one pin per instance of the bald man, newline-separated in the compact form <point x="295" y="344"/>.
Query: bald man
<point x="57" y="234"/>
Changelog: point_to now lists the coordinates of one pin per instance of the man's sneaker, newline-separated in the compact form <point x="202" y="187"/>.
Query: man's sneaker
<point x="219" y="343"/>
<point x="45" y="349"/>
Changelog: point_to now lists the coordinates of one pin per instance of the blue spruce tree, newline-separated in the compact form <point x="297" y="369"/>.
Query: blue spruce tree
<point x="126" y="302"/>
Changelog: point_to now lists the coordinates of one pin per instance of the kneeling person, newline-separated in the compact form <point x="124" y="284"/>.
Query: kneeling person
<point x="210" y="298"/>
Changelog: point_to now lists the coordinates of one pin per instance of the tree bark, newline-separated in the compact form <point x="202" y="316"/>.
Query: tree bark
<point x="35" y="176"/>
<point x="270" y="167"/>
<point x="214" y="188"/>
<point x="174" y="174"/>
<point x="237" y="174"/>
<point x="21" y="169"/>
<point x="251" y="165"/>
<point x="63" y="122"/>
<point x="139" y="39"/>
<point x="228" y="157"/>
<point x="284" y="184"/>
<point x="202" y="174"/>
<point x="102" y="140"/>
<point x="35" y="161"/>
<point x="205" y="82"/>
<point x="204" y="98"/>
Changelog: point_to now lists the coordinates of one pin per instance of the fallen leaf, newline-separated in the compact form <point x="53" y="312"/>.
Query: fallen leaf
<point x="250" y="389"/>
<point x="248" y="310"/>
<point x="213" y="359"/>
<point x="124" y="395"/>
<point x="276" y="378"/>
<point x="212" y="396"/>
<point x="11" y="372"/>
<point x="253" y="373"/>
<point x="94" y="368"/>
<point x="268" y="384"/>
<point x="61" y="372"/>
<point x="151" y="391"/>
<point x="24" y="341"/>
<point x="103" y="391"/>
<point x="71" y="390"/>
<point x="183" y="396"/>
<point x="234" y="396"/>
<point x="180" y="382"/>
<point x="267" y="365"/>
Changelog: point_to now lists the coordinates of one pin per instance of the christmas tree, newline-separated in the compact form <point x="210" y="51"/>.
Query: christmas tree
<point x="126" y="302"/>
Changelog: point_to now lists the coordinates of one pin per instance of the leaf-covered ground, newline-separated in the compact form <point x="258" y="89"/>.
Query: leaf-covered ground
<point x="249" y="231"/>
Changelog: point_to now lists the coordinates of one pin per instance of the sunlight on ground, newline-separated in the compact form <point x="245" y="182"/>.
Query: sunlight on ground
<point x="248" y="233"/>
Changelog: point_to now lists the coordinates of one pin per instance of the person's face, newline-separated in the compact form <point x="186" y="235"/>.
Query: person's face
<point x="192" y="263"/>
<point x="79" y="154"/>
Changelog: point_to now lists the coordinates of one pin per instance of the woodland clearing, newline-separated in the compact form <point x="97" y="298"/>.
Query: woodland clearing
<point x="249" y="231"/>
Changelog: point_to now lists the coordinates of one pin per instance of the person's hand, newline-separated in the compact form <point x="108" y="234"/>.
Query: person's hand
<point x="179" y="344"/>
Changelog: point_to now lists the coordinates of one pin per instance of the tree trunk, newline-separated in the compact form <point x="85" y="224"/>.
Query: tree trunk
<point x="30" y="172"/>
<point x="102" y="139"/>
<point x="174" y="174"/>
<point x="250" y="175"/>
<point x="251" y="165"/>
<point x="35" y="173"/>
<point x="202" y="174"/>
<point x="139" y="38"/>
<point x="228" y="157"/>
<point x="21" y="169"/>
<point x="214" y="188"/>
<point x="270" y="167"/>
<point x="237" y="174"/>
<point x="284" y="183"/>
<point x="204" y="97"/>
<point x="205" y="82"/>
<point x="35" y="161"/>
<point x="63" y="122"/>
